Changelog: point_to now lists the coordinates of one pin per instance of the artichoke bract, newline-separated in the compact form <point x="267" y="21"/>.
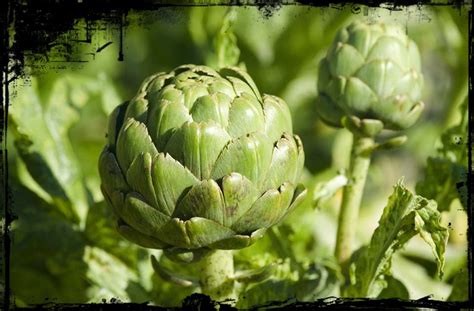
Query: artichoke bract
<point x="371" y="71"/>
<point x="199" y="160"/>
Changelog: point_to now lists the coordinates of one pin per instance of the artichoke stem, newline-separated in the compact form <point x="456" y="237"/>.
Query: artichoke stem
<point x="352" y="196"/>
<point x="217" y="275"/>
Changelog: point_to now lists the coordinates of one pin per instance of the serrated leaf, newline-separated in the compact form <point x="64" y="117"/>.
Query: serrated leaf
<point x="405" y="216"/>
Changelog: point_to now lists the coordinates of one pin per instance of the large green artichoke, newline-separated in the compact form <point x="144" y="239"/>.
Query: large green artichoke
<point x="371" y="71"/>
<point x="199" y="160"/>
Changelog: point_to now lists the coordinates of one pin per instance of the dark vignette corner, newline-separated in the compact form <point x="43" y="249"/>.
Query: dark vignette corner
<point x="38" y="25"/>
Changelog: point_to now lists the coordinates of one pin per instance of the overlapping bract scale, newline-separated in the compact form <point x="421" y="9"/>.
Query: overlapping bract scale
<point x="199" y="160"/>
<point x="371" y="71"/>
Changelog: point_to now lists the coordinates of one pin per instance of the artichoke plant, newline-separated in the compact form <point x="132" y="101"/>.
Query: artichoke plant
<point x="371" y="71"/>
<point x="370" y="80"/>
<point x="200" y="160"/>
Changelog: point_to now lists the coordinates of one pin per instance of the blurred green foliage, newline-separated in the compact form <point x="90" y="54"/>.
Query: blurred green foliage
<point x="64" y="236"/>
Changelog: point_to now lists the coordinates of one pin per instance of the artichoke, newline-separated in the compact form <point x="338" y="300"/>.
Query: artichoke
<point x="371" y="72"/>
<point x="199" y="160"/>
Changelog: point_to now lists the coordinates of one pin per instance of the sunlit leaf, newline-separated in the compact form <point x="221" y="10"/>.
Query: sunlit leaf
<point x="405" y="216"/>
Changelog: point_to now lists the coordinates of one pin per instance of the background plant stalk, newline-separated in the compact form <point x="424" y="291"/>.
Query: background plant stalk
<point x="352" y="196"/>
<point x="216" y="275"/>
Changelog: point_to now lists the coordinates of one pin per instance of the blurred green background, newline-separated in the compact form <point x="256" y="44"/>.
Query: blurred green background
<point x="64" y="247"/>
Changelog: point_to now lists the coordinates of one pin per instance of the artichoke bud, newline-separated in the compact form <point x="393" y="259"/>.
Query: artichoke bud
<point x="200" y="160"/>
<point x="371" y="72"/>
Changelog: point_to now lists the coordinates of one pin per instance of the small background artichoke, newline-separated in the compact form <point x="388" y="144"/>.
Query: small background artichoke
<point x="371" y="71"/>
<point x="199" y="160"/>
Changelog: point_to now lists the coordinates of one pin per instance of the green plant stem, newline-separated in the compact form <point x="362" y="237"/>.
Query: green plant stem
<point x="217" y="272"/>
<point x="352" y="196"/>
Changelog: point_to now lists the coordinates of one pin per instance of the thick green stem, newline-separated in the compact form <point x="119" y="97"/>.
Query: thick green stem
<point x="217" y="272"/>
<point x="352" y="196"/>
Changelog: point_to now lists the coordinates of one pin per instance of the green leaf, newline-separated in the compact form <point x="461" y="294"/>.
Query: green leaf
<point x="66" y="272"/>
<point x="170" y="276"/>
<point x="226" y="52"/>
<point x="395" y="289"/>
<point x="254" y="276"/>
<point x="46" y="249"/>
<point x="318" y="280"/>
<point x="109" y="277"/>
<point x="440" y="183"/>
<point x="101" y="231"/>
<point x="41" y="122"/>
<point x="405" y="216"/>
<point x="446" y="173"/>
<point x="40" y="137"/>
<point x="168" y="293"/>
<point x="460" y="291"/>
<point x="323" y="191"/>
<point x="279" y="287"/>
